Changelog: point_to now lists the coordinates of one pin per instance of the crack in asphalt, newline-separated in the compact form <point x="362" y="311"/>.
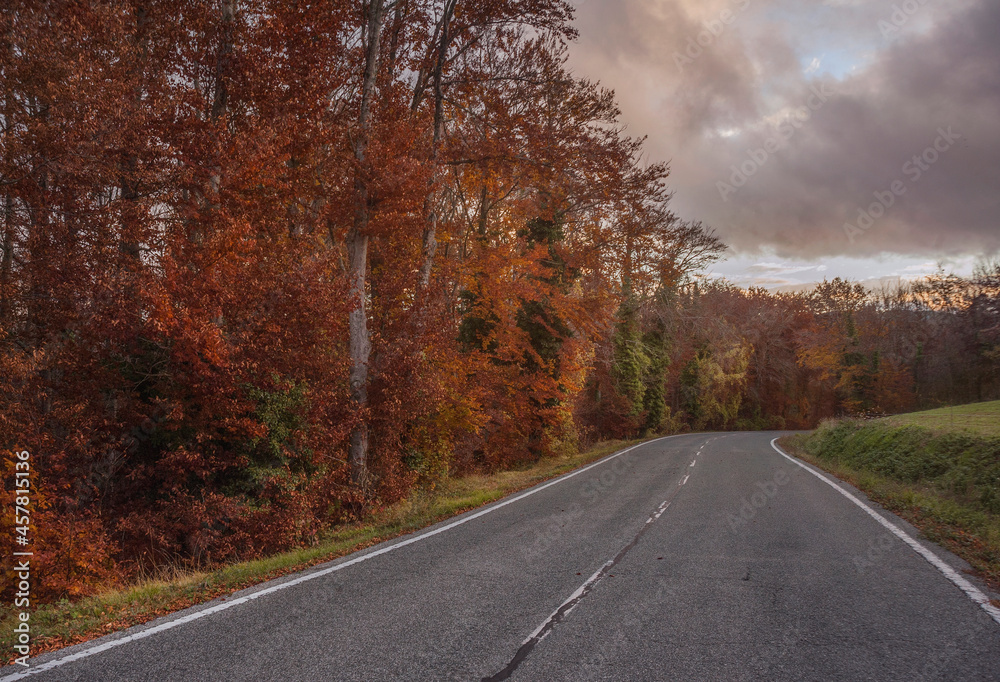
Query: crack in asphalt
<point x="564" y="609"/>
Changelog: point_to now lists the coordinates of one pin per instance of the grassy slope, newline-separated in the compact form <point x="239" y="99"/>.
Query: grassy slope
<point x="58" y="625"/>
<point x="940" y="470"/>
<point x="981" y="419"/>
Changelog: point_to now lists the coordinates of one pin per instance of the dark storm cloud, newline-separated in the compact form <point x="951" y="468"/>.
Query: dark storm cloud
<point x="776" y="156"/>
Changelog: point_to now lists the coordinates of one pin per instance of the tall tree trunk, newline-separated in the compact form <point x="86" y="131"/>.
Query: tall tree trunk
<point x="430" y="230"/>
<point x="484" y="213"/>
<point x="131" y="210"/>
<point x="357" y="251"/>
<point x="206" y="199"/>
<point x="220" y="102"/>
<point x="38" y="233"/>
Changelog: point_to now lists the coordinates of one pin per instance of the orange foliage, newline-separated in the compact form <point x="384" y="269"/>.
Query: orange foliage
<point x="183" y="189"/>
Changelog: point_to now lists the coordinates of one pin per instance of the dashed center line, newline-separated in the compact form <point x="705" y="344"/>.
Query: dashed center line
<point x="557" y="616"/>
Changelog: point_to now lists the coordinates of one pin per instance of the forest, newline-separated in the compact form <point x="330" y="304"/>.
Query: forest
<point x="267" y="265"/>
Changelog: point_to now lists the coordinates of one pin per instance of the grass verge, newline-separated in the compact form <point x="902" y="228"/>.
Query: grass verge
<point x="947" y="484"/>
<point x="64" y="623"/>
<point x="981" y="419"/>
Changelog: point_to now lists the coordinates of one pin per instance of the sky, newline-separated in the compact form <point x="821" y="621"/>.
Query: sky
<point x="819" y="138"/>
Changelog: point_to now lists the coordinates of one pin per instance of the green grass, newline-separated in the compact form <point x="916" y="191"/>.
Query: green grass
<point x="65" y="623"/>
<point x="982" y="419"/>
<point x="944" y="480"/>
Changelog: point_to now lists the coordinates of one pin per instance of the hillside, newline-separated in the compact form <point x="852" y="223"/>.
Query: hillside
<point x="982" y="419"/>
<point x="939" y="469"/>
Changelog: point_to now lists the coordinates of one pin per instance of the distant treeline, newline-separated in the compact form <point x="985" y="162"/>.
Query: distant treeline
<point x="715" y="356"/>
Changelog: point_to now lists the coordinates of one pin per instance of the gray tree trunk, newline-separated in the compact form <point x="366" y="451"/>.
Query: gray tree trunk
<point x="357" y="251"/>
<point x="430" y="230"/>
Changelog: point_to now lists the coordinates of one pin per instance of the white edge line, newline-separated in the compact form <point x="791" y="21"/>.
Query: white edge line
<point x="974" y="593"/>
<point x="197" y="615"/>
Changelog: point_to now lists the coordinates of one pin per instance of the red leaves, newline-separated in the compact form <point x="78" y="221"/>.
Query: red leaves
<point x="175" y="301"/>
<point x="179" y="183"/>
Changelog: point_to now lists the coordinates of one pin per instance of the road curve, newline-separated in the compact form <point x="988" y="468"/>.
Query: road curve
<point x="693" y="557"/>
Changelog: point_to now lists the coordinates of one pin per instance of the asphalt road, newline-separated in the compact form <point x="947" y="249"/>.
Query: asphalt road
<point x="742" y="566"/>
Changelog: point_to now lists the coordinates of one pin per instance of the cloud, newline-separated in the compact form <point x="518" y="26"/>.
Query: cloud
<point x="891" y="94"/>
<point x="921" y="268"/>
<point x="782" y="268"/>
